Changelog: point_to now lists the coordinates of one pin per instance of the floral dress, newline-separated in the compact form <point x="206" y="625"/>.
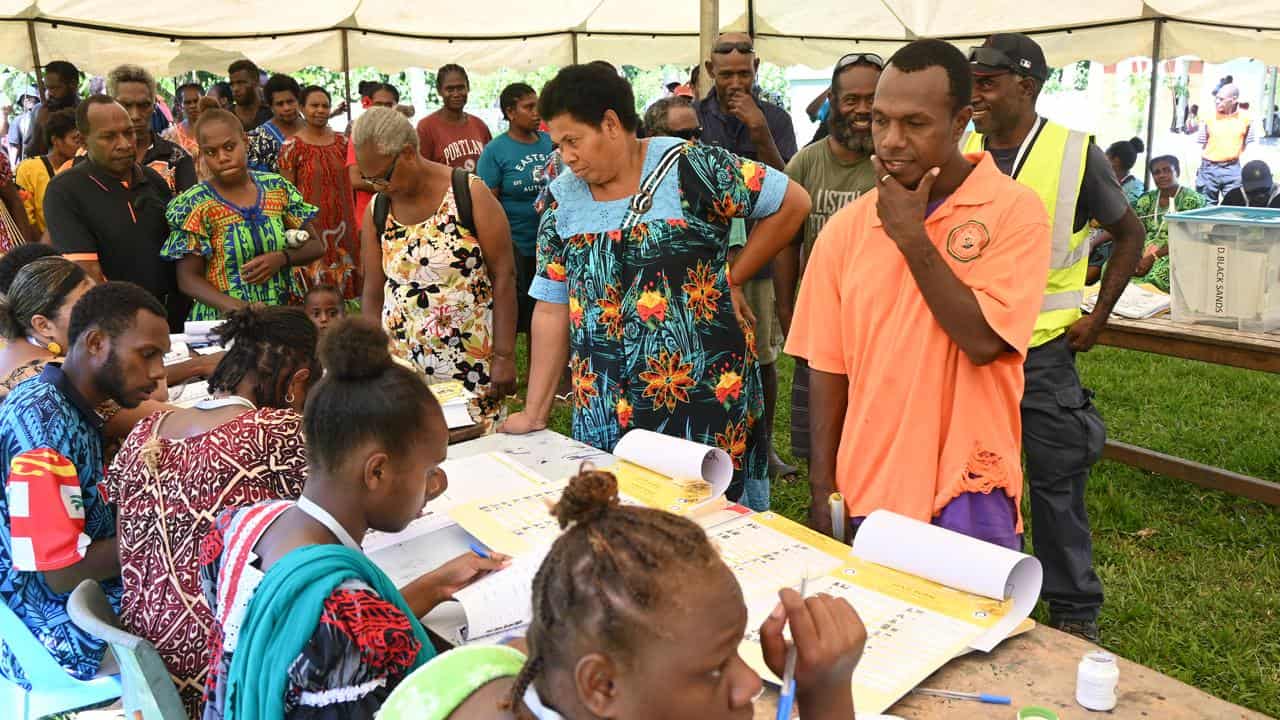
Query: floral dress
<point x="653" y="337"/>
<point x="263" y="151"/>
<point x="321" y="174"/>
<point x="203" y="223"/>
<point x="1148" y="210"/>
<point x="437" y="302"/>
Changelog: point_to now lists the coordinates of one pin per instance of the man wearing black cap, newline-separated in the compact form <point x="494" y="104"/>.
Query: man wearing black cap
<point x="1256" y="188"/>
<point x="1062" y="432"/>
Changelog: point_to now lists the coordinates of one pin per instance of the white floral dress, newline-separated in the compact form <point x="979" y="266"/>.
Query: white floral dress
<point x="437" y="304"/>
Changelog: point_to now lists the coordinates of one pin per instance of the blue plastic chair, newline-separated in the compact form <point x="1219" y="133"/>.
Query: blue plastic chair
<point x="148" y="691"/>
<point x="53" y="690"/>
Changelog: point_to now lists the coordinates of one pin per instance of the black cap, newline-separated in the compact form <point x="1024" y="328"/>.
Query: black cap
<point x="1255" y="176"/>
<point x="1009" y="52"/>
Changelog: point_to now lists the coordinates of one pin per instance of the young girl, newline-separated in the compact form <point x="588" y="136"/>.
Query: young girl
<point x="228" y="232"/>
<point x="304" y="624"/>
<point x="636" y="616"/>
<point x="323" y="304"/>
<point x="315" y="161"/>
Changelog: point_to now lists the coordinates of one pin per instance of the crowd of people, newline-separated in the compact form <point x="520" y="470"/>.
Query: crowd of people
<point x="663" y="265"/>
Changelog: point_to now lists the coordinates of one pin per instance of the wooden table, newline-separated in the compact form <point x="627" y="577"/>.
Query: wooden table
<point x="1039" y="668"/>
<point x="1251" y="351"/>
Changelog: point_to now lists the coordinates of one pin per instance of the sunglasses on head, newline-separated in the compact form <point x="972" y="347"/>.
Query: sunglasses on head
<point x="692" y="133"/>
<point x="855" y="58"/>
<point x="725" y="48"/>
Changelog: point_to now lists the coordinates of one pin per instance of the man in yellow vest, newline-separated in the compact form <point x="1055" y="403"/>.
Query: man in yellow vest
<point x="1224" y="138"/>
<point x="1062" y="432"/>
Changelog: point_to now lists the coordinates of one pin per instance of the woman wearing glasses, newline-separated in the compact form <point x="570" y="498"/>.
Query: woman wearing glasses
<point x="444" y="292"/>
<point x="229" y="234"/>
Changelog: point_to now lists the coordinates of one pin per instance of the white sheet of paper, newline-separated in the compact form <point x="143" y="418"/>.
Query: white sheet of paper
<point x="954" y="560"/>
<point x="188" y="394"/>
<point x="200" y="328"/>
<point x="677" y="458"/>
<point x="500" y="602"/>
<point x="456" y="415"/>
<point x="178" y="352"/>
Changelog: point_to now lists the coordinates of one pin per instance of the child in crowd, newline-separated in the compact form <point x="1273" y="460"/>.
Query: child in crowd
<point x="635" y="615"/>
<point x="304" y="624"/>
<point x="324" y="306"/>
<point x="228" y="232"/>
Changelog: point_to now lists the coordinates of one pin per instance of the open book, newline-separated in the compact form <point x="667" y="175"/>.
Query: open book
<point x="925" y="594"/>
<point x="1138" y="302"/>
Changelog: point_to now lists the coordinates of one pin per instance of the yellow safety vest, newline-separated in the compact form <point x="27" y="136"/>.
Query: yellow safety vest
<point x="1054" y="168"/>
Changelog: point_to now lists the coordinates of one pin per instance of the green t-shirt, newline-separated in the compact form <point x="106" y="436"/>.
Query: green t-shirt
<point x="831" y="184"/>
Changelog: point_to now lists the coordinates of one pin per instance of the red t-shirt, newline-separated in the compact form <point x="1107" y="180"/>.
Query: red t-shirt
<point x="453" y="145"/>
<point x="362" y="197"/>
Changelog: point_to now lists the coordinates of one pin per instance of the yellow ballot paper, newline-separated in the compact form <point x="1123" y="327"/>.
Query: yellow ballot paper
<point x="669" y="473"/>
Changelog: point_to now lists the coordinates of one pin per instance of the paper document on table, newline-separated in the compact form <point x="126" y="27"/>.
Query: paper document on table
<point x="188" y="394"/>
<point x="1139" y="301"/>
<point x="457" y="416"/>
<point x="178" y="352"/>
<point x="501" y="602"/>
<point x="470" y="479"/>
<point x="512" y="524"/>
<point x="670" y="473"/>
<point x="451" y="391"/>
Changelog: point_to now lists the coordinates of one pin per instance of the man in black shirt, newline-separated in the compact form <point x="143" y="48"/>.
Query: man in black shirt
<point x="107" y="213"/>
<point x="246" y="82"/>
<point x="1257" y="189"/>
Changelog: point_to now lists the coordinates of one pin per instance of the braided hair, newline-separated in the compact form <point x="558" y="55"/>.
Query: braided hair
<point x="272" y="343"/>
<point x="612" y="568"/>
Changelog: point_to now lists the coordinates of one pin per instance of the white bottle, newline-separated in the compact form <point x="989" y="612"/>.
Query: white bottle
<point x="1096" y="681"/>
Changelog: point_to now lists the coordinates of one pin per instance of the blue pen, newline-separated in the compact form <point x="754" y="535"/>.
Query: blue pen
<point x="978" y="697"/>
<point x="478" y="549"/>
<point x="788" y="697"/>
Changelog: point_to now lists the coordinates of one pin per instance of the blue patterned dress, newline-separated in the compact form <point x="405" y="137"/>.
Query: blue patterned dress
<point x="653" y="337"/>
<point x="51" y="455"/>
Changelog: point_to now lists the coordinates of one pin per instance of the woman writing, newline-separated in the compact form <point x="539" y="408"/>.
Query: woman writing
<point x="1152" y="208"/>
<point x="180" y="468"/>
<point x="228" y="232"/>
<point x="443" y="292"/>
<point x="633" y="284"/>
<point x="314" y="160"/>
<point x="304" y="623"/>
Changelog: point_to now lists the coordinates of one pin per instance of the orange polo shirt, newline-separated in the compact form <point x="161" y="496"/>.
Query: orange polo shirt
<point x="924" y="424"/>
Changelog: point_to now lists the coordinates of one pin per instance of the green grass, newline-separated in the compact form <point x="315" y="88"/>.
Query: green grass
<point x="1192" y="576"/>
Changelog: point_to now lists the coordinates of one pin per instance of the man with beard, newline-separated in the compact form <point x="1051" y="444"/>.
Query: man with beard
<point x="135" y="89"/>
<point x="246" y="80"/>
<point x="58" y="529"/>
<point x="917" y="306"/>
<point x="835" y="170"/>
<point x="61" y="91"/>
<point x="107" y="213"/>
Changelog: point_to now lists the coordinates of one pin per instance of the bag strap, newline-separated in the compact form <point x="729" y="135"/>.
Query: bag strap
<point x="462" y="199"/>
<point x="642" y="201"/>
<point x="48" y="166"/>
<point x="381" y="208"/>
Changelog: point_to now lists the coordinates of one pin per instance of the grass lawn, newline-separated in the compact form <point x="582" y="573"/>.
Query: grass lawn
<point x="1192" y="576"/>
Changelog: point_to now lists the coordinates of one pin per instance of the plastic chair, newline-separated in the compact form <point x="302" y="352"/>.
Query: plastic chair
<point x="147" y="687"/>
<point x="53" y="689"/>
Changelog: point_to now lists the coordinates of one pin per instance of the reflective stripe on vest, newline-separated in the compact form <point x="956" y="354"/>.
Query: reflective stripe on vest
<point x="1054" y="168"/>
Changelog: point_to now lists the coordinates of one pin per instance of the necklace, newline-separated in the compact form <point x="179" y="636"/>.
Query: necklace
<point x="323" y="517"/>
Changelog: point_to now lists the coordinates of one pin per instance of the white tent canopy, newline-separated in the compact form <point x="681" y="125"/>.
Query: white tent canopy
<point x="170" y="38"/>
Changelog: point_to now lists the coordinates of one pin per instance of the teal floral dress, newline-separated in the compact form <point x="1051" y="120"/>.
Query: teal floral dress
<point x="653" y="337"/>
<point x="1148" y="210"/>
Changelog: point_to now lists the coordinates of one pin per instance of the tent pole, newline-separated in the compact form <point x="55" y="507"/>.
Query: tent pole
<point x="708" y="29"/>
<point x="35" y="57"/>
<point x="751" y="18"/>
<point x="346" y="73"/>
<point x="1151" y="95"/>
<point x="573" y="41"/>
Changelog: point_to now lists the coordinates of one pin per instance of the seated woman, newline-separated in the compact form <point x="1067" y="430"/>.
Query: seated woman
<point x="1151" y="209"/>
<point x="228" y="232"/>
<point x="304" y="624"/>
<point x="614" y="575"/>
<point x="179" y="469"/>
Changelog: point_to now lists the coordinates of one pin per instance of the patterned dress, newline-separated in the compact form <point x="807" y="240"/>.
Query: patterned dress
<point x="437" y="302"/>
<point x="321" y="173"/>
<point x="362" y="646"/>
<point x="51" y="510"/>
<point x="10" y="236"/>
<point x="228" y="236"/>
<point x="169" y="493"/>
<point x="653" y="337"/>
<point x="263" y="151"/>
<point x="1148" y="210"/>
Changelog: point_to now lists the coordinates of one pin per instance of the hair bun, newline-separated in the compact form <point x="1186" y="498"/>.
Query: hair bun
<point x="1137" y="144"/>
<point x="355" y="349"/>
<point x="243" y="324"/>
<point x="590" y="494"/>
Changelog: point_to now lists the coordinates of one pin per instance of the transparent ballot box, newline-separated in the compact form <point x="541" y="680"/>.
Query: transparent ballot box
<point x="1224" y="267"/>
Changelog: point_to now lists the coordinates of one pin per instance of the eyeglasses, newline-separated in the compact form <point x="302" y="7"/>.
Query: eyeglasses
<point x="725" y="48"/>
<point x="692" y="133"/>
<point x="385" y="179"/>
<point x="855" y="58"/>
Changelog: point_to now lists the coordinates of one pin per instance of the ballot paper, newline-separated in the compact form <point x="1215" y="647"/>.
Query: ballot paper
<point x="502" y="602"/>
<point x="670" y="473"/>
<point x="1138" y="302"/>
<point x="455" y="400"/>
<point x="925" y="595"/>
<point x="188" y="394"/>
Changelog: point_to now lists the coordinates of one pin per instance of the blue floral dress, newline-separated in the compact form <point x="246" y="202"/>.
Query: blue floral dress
<point x="653" y="337"/>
